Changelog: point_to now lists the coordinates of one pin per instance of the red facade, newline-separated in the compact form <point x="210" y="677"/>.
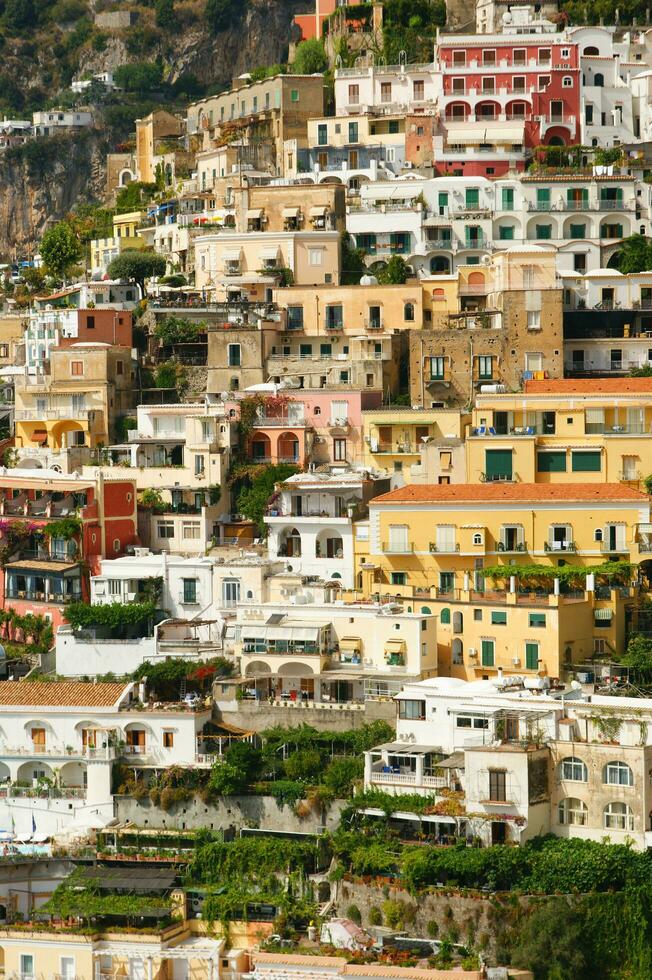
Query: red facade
<point x="103" y="326"/>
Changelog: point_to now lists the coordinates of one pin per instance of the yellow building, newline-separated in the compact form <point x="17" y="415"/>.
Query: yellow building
<point x="372" y="310"/>
<point x="156" y="134"/>
<point x="429" y="545"/>
<point x="125" y="236"/>
<point x="12" y="328"/>
<point x="77" y="403"/>
<point x="395" y="439"/>
<point x="564" y="431"/>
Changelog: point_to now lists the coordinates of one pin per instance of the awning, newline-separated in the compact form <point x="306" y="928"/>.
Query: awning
<point x="288" y="633"/>
<point x="270" y="252"/>
<point x="480" y="133"/>
<point x="232" y="254"/>
<point x="603" y="614"/>
<point x="645" y="528"/>
<point x="51" y="567"/>
<point x="254" y="214"/>
<point x="39" y="435"/>
<point x="291" y="212"/>
<point x="350" y="643"/>
<point x="395" y="646"/>
<point x="318" y="212"/>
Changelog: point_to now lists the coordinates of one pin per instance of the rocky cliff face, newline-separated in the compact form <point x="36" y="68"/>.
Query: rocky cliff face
<point x="39" y="184"/>
<point x="42" y="181"/>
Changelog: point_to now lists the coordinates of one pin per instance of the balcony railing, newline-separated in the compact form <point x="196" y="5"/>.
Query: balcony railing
<point x="398" y="548"/>
<point x="619" y="546"/>
<point x="32" y="595"/>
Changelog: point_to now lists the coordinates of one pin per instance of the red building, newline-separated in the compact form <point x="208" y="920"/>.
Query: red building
<point x="53" y="531"/>
<point x="102" y="326"/>
<point x="502" y="95"/>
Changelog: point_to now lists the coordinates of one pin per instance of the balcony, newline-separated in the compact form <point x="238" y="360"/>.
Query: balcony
<point x="560" y="546"/>
<point x="398" y="547"/>
<point x="275" y="421"/>
<point x="31" y="595"/>
<point x="443" y="549"/>
<point x="400" y="449"/>
<point x="620" y="547"/>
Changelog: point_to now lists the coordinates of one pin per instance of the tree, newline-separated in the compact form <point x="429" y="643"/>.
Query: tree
<point x="551" y="943"/>
<point x="635" y="254"/>
<point x="166" y="18"/>
<point x="222" y="14"/>
<point x="310" y="58"/>
<point x="252" y="500"/>
<point x="395" y="272"/>
<point x="20" y="14"/>
<point x="60" y="249"/>
<point x="177" y="330"/>
<point x="639" y="657"/>
<point x="137" y="265"/>
<point x="143" y="77"/>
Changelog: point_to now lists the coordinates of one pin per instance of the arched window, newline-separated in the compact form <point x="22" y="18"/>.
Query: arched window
<point x="572" y="811"/>
<point x="426" y="610"/>
<point x="598" y="79"/>
<point x="408" y="312"/>
<point x="617" y="774"/>
<point x="573" y="769"/>
<point x="445" y="617"/>
<point x="477" y="539"/>
<point x="457" y="651"/>
<point x="591" y="50"/>
<point x="618" y="816"/>
<point x="458" y="622"/>
<point x="598" y="535"/>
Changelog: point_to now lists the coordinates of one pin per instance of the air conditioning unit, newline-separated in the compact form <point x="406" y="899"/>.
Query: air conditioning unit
<point x="516" y="661"/>
<point x="473" y="652"/>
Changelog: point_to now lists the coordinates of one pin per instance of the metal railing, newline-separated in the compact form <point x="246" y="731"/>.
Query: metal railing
<point x="405" y="548"/>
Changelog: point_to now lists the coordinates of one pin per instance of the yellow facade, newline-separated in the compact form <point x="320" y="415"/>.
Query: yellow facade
<point x="428" y="544"/>
<point x="565" y="432"/>
<point x="125" y="236"/>
<point x="395" y="438"/>
<point x="78" y="402"/>
<point x="371" y="310"/>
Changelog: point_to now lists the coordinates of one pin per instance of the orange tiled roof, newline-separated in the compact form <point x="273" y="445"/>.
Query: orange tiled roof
<point x="60" y="694"/>
<point x="499" y="492"/>
<point x="297" y="959"/>
<point x="590" y="386"/>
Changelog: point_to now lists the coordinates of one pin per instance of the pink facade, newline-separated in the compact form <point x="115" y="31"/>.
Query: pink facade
<point x="530" y="81"/>
<point x="312" y="25"/>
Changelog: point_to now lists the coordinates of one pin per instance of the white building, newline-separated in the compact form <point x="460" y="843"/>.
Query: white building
<point x="522" y="759"/>
<point x="59" y="741"/>
<point x="47" y="123"/>
<point x="386" y="88"/>
<point x="311" y="521"/>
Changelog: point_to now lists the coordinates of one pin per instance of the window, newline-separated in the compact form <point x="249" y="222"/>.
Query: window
<point x="325" y="350"/>
<point x="531" y="656"/>
<point x="418" y="90"/>
<point x="334" y="317"/>
<point x="189" y="590"/>
<point x="477" y="539"/>
<point x="412" y="710"/>
<point x="77" y="368"/>
<point x="458" y="86"/>
<point x="459" y="58"/>
<point x="477" y="615"/>
<point x="506" y="233"/>
<point x="519" y="56"/>
<point x="551" y="462"/>
<point x="322" y="134"/>
<point x="534" y="319"/>
<point x="408" y="312"/>
<point x="543" y="231"/>
<point x="191" y="530"/>
<point x="472" y="721"/>
<point x="446" y="581"/>
<point x="445" y="617"/>
<point x="26" y="965"/>
<point x="165" y="529"/>
<point x="199" y="465"/>
<point x="457" y="652"/>
<point x="489" y="87"/>
<point x="537" y="620"/>
<point x="295" y="318"/>
<point x="385" y="91"/>
<point x="294" y="95"/>
<point x="617" y="774"/>
<point x="353" y="132"/>
<point x="498" y="785"/>
<point x="230" y="592"/>
<point x="354" y="94"/>
<point x="168" y="740"/>
<point x="437" y="368"/>
<point x="498" y="618"/>
<point x="472" y="197"/>
<point x="618" y="816"/>
<point x="485" y="367"/>
<point x="586" y="462"/>
<point x="488" y="653"/>
<point x="398" y="578"/>
<point x="339" y="450"/>
<point x="315" y="256"/>
<point x="574" y="770"/>
<point x="233" y="354"/>
<point x="572" y="812"/>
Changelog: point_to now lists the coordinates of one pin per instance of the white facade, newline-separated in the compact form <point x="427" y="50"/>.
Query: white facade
<point x="56" y="119"/>
<point x="387" y="88"/>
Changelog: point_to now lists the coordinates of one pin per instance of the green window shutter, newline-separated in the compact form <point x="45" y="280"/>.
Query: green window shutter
<point x="543" y="231"/>
<point x="506" y="234"/>
<point x="508" y="198"/>
<point x="553" y="462"/>
<point x="498" y="618"/>
<point x="487" y="653"/>
<point x="619" y="231"/>
<point x="543" y="196"/>
<point x="586" y="462"/>
<point x="445" y="616"/>
<point x="531" y="656"/>
<point x="443" y="199"/>
<point x="537" y="619"/>
<point x="578" y="231"/>
<point x="472" y="197"/>
<point x="498" y="463"/>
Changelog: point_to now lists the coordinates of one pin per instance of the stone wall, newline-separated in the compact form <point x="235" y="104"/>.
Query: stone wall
<point x="259" y="715"/>
<point x="230" y="814"/>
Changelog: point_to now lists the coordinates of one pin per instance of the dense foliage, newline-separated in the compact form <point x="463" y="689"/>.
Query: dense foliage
<point x="80" y="898"/>
<point x="136" y="264"/>
<point x="114" y="616"/>
<point x="255" y="487"/>
<point x="177" y="330"/>
<point x="60" y="249"/>
<point x="310" y="58"/>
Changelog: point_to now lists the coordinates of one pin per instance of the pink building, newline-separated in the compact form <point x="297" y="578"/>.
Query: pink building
<point x="312" y="25"/>
<point x="311" y="426"/>
<point x="526" y="88"/>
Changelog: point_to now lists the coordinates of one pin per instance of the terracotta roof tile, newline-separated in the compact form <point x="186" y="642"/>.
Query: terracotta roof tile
<point x="297" y="959"/>
<point x="59" y="694"/>
<point x="590" y="386"/>
<point x="499" y="492"/>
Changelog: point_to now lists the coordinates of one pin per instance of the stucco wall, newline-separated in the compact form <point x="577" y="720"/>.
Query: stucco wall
<point x="257" y="715"/>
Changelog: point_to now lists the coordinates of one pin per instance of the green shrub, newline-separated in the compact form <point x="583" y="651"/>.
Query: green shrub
<point x="375" y="916"/>
<point x="303" y="765"/>
<point x="353" y="913"/>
